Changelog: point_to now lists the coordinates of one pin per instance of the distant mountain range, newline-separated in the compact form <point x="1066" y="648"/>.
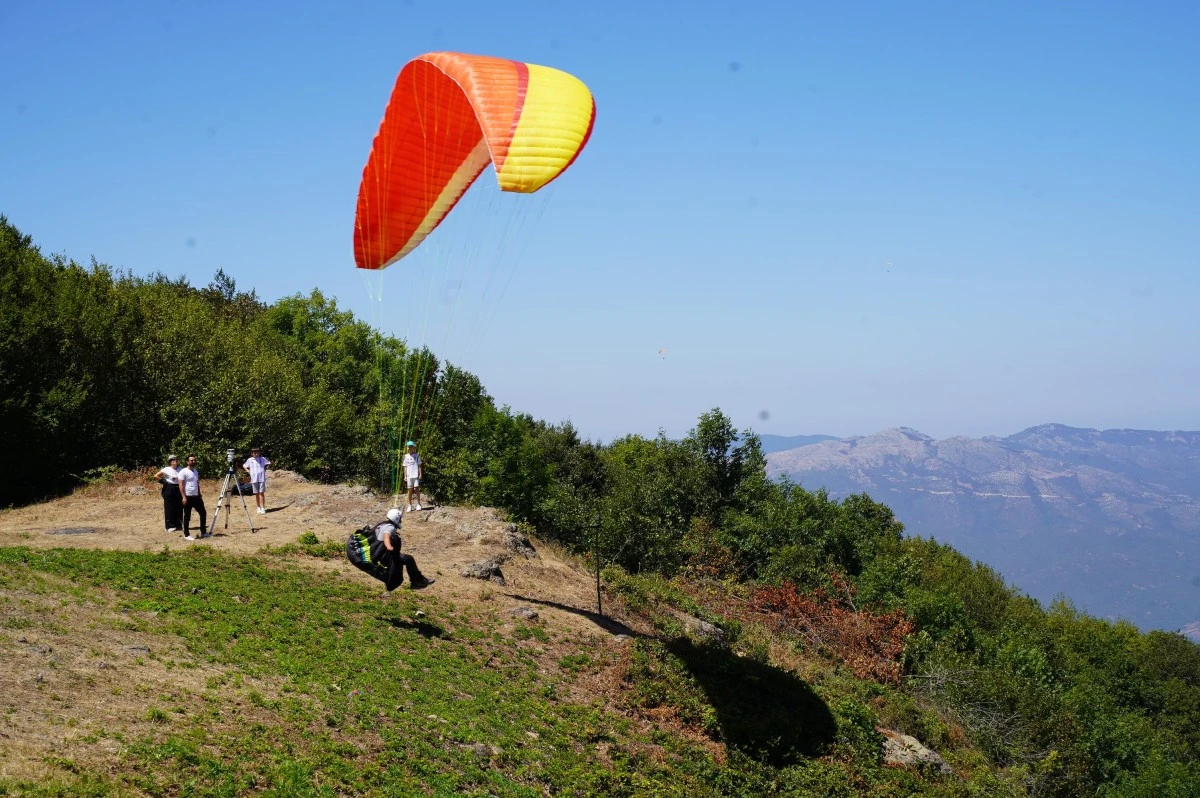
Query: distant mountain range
<point x="779" y="443"/>
<point x="1110" y="519"/>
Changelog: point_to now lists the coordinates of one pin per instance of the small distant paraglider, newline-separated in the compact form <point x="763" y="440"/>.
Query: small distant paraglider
<point x="662" y="352"/>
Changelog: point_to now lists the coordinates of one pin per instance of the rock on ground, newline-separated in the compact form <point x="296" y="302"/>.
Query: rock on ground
<point x="902" y="749"/>
<point x="487" y="569"/>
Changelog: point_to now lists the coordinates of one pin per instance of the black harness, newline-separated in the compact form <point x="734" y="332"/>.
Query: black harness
<point x="369" y="554"/>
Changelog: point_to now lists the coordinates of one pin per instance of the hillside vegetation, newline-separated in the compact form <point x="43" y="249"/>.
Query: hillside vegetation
<point x="778" y="633"/>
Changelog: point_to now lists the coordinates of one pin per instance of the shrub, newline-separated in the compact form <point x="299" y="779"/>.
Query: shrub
<point x="870" y="644"/>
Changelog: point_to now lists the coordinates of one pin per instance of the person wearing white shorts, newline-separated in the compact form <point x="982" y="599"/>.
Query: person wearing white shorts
<point x="413" y="471"/>
<point x="256" y="466"/>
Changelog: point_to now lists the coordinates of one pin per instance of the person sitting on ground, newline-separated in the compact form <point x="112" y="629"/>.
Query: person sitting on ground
<point x="388" y="533"/>
<point x="375" y="550"/>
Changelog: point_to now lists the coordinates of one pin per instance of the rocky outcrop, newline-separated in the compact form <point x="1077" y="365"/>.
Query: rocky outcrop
<point x="905" y="750"/>
<point x="488" y="569"/>
<point x="701" y="631"/>
<point x="485" y="526"/>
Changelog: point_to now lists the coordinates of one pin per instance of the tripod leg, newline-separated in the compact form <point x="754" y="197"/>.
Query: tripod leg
<point x="220" y="501"/>
<point x="225" y="501"/>
<point x="247" y="509"/>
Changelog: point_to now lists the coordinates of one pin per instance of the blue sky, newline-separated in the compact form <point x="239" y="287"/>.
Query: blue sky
<point x="967" y="218"/>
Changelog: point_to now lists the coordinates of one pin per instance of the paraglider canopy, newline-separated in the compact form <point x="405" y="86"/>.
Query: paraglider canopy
<point x="449" y="116"/>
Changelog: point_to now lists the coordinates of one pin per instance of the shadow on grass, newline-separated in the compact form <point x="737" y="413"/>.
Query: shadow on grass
<point x="609" y="625"/>
<point x="423" y="628"/>
<point x="767" y="713"/>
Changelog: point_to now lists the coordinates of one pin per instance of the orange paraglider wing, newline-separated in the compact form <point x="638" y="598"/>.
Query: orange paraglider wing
<point x="448" y="117"/>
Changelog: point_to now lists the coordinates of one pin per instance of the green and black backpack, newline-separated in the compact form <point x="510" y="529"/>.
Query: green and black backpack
<point x="368" y="554"/>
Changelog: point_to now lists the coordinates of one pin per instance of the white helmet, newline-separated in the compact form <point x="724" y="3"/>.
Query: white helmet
<point x="394" y="515"/>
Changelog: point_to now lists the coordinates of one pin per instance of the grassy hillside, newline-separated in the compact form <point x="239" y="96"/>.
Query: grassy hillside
<point x="204" y="674"/>
<point x="135" y="663"/>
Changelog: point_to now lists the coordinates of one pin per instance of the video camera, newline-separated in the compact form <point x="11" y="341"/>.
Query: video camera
<point x="229" y="455"/>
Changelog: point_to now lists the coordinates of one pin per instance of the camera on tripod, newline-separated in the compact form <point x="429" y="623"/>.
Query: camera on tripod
<point x="229" y="489"/>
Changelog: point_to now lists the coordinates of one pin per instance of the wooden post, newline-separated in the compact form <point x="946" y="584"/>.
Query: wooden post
<point x="599" y="601"/>
<point x="596" y="552"/>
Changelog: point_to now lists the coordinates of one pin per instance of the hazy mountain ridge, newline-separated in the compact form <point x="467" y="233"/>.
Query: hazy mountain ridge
<point x="779" y="443"/>
<point x="1111" y="518"/>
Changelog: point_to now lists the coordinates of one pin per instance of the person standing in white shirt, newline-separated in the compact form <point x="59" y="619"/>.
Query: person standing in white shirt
<point x="168" y="477"/>
<point x="256" y="466"/>
<point x="189" y="489"/>
<point x="413" y="471"/>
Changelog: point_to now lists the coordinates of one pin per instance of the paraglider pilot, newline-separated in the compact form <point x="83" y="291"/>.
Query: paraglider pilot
<point x="376" y="551"/>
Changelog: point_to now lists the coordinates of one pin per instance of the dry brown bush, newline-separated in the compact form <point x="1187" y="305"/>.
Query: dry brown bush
<point x="871" y="644"/>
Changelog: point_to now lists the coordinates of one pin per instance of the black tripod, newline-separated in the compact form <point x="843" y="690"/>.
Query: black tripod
<point x="225" y="489"/>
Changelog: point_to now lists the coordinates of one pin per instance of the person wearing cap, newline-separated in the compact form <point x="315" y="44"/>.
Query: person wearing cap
<point x="168" y="477"/>
<point x="413" y="471"/>
<point x="388" y="533"/>
<point x="256" y="467"/>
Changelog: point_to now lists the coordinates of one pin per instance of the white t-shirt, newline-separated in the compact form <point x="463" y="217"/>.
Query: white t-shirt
<point x="190" y="478"/>
<point x="170" y="475"/>
<point x="412" y="466"/>
<point x="257" y="466"/>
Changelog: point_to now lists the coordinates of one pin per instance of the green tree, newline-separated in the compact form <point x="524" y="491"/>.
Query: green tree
<point x="649" y="503"/>
<point x="72" y="392"/>
<point x="732" y="468"/>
